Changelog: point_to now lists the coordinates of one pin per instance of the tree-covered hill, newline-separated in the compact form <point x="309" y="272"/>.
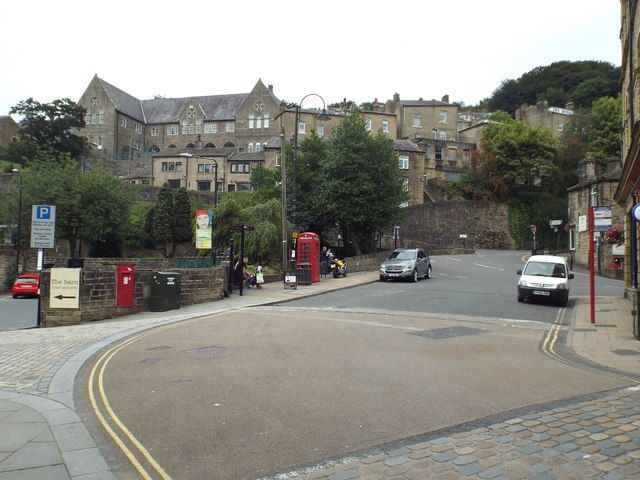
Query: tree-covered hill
<point x="580" y="82"/>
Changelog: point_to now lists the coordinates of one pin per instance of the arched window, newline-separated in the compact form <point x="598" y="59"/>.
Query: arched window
<point x="209" y="145"/>
<point x="154" y="149"/>
<point x="250" y="148"/>
<point x="251" y="120"/>
<point x="172" y="146"/>
<point x="258" y="121"/>
<point x="190" y="145"/>
<point x="229" y="145"/>
<point x="258" y="147"/>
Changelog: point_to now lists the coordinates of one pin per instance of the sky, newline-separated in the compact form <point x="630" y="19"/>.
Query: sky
<point x="354" y="49"/>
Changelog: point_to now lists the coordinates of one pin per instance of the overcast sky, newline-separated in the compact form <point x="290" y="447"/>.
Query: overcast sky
<point x="349" y="48"/>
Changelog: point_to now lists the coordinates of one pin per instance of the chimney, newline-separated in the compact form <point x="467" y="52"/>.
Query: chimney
<point x="270" y="87"/>
<point x="586" y="170"/>
<point x="396" y="97"/>
<point x="445" y="98"/>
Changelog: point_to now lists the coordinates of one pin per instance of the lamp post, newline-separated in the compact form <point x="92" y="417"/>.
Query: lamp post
<point x="19" y="236"/>
<point x="323" y="116"/>
<point x="283" y="199"/>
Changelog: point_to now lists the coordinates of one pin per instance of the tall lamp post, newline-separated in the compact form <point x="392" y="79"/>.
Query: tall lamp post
<point x="322" y="116"/>
<point x="19" y="236"/>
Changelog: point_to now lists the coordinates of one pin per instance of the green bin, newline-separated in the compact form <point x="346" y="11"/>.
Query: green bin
<point x="303" y="272"/>
<point x="165" y="291"/>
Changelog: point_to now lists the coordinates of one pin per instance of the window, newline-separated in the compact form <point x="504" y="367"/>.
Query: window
<point x="123" y="121"/>
<point x="251" y="120"/>
<point x="101" y="116"/>
<point x="178" y="166"/>
<point x="250" y="148"/>
<point x="155" y="131"/>
<point x="185" y="127"/>
<point x="203" y="186"/>
<point x="192" y="112"/>
<point x="403" y="162"/>
<point x="172" y="129"/>
<point x="165" y="166"/>
<point x="200" y="168"/>
<point x="192" y="129"/>
<point x="198" y="128"/>
<point x="139" y="128"/>
<point x="405" y="184"/>
<point x="367" y="124"/>
<point x="172" y="166"/>
<point x="234" y="167"/>
<point x="416" y="119"/>
<point x="87" y="118"/>
<point x="438" y="152"/>
<point x="211" y="128"/>
<point x="385" y="126"/>
<point x="258" y="147"/>
<point x="320" y="131"/>
<point x="302" y="127"/>
<point x="258" y="121"/>
<point x="442" y="134"/>
<point x="230" y="127"/>
<point x="174" y="183"/>
<point x="443" y="116"/>
<point x="247" y="168"/>
<point x="266" y="120"/>
<point x="94" y="119"/>
<point x="278" y="159"/>
<point x="94" y="101"/>
<point x="99" y="141"/>
<point x="435" y="133"/>
<point x="172" y="146"/>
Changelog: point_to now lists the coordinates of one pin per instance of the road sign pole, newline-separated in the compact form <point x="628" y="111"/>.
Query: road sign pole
<point x="592" y="285"/>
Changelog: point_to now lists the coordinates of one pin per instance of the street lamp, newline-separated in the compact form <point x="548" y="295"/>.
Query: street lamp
<point x="19" y="236"/>
<point x="322" y="116"/>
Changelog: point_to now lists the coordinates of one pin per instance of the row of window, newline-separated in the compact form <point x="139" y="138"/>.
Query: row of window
<point x="259" y="122"/>
<point x="189" y="128"/>
<point x="258" y="147"/>
<point x="417" y="118"/>
<point x="92" y="119"/>
<point x="234" y="167"/>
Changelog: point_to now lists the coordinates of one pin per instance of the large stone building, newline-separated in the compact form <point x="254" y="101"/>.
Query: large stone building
<point x="628" y="192"/>
<point x="8" y="130"/>
<point x="542" y="115"/>
<point x="424" y="118"/>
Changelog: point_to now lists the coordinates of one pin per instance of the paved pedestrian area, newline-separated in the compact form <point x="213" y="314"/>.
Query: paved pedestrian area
<point x="594" y="439"/>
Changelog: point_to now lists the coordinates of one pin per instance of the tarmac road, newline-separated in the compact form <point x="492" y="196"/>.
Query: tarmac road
<point x="252" y="392"/>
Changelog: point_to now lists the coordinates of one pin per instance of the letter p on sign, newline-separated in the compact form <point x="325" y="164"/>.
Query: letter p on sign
<point x="43" y="212"/>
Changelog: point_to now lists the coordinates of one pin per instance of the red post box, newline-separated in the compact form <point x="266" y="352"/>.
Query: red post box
<point x="309" y="252"/>
<point x="124" y="284"/>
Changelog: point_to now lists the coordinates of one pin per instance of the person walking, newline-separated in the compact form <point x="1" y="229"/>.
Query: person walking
<point x="324" y="262"/>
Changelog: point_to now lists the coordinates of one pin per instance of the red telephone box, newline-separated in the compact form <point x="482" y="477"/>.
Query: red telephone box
<point x="309" y="252"/>
<point x="124" y="284"/>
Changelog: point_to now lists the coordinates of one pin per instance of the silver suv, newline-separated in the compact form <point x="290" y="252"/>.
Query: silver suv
<point x="413" y="263"/>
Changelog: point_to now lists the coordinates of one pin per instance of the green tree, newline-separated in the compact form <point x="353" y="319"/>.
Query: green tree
<point x="605" y="125"/>
<point x="137" y="229"/>
<point x="524" y="155"/>
<point x="47" y="125"/>
<point x="171" y="219"/>
<point x="360" y="187"/>
<point x="265" y="182"/>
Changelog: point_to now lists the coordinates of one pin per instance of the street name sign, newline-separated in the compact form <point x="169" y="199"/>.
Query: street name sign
<point x="601" y="219"/>
<point x="64" y="288"/>
<point x="43" y="226"/>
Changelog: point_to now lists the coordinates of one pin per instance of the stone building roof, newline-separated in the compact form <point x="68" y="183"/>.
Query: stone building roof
<point x="405" y="146"/>
<point x="125" y="103"/>
<point x="425" y="103"/>
<point x="196" y="152"/>
<point x="248" y="157"/>
<point x="215" y="107"/>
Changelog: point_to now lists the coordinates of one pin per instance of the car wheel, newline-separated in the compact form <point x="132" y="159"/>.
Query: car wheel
<point x="15" y="296"/>
<point x="521" y="298"/>
<point x="383" y="279"/>
<point x="564" y="301"/>
<point x="335" y="273"/>
<point x="428" y="275"/>
<point x="414" y="277"/>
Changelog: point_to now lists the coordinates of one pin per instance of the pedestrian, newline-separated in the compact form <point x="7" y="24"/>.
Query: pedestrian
<point x="249" y="278"/>
<point x="324" y="262"/>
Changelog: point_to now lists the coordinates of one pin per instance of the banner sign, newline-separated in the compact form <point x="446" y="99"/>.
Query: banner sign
<point x="204" y="229"/>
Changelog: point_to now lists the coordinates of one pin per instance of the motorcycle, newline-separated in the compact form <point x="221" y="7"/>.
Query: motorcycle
<point x="338" y="267"/>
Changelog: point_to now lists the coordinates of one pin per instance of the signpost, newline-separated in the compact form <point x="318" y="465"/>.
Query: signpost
<point x="64" y="288"/>
<point x="43" y="226"/>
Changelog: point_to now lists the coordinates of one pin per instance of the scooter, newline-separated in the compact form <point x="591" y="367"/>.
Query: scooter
<point x="339" y="267"/>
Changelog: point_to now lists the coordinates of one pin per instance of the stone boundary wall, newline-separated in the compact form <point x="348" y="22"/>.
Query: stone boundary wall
<point x="98" y="290"/>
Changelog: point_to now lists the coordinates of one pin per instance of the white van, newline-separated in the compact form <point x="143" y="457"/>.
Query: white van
<point x="545" y="277"/>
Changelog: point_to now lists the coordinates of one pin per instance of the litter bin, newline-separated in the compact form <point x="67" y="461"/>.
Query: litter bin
<point x="165" y="291"/>
<point x="303" y="272"/>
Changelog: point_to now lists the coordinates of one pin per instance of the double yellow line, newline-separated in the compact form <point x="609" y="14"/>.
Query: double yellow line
<point x="99" y="401"/>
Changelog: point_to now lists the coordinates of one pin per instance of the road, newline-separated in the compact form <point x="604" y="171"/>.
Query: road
<point x="253" y="392"/>
<point x="17" y="313"/>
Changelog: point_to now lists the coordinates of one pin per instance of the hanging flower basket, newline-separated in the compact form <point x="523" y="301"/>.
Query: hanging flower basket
<point x="615" y="236"/>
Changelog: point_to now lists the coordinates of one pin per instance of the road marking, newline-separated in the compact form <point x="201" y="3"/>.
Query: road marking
<point x="460" y="276"/>
<point x="102" y="364"/>
<point x="443" y="274"/>
<point x="455" y="259"/>
<point x="488" y="266"/>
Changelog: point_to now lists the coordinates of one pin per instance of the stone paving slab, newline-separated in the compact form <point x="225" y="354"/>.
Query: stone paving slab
<point x="531" y="456"/>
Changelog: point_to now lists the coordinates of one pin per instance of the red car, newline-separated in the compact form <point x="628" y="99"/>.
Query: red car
<point x="27" y="284"/>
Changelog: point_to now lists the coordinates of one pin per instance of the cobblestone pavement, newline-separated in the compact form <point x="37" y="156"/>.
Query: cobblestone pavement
<point x="596" y="439"/>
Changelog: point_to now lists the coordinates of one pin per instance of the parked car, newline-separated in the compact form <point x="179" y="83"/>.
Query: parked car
<point x="411" y="263"/>
<point x="545" y="277"/>
<point x="27" y="284"/>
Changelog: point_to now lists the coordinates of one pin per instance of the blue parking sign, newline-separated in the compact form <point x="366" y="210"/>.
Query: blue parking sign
<point x="43" y="212"/>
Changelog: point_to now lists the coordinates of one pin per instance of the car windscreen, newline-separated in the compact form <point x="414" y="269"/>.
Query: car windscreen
<point x="545" y="269"/>
<point x="404" y="255"/>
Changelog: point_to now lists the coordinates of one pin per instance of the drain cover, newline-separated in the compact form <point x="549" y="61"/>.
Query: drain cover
<point x="208" y="352"/>
<point x="625" y="352"/>
<point x="448" y="332"/>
